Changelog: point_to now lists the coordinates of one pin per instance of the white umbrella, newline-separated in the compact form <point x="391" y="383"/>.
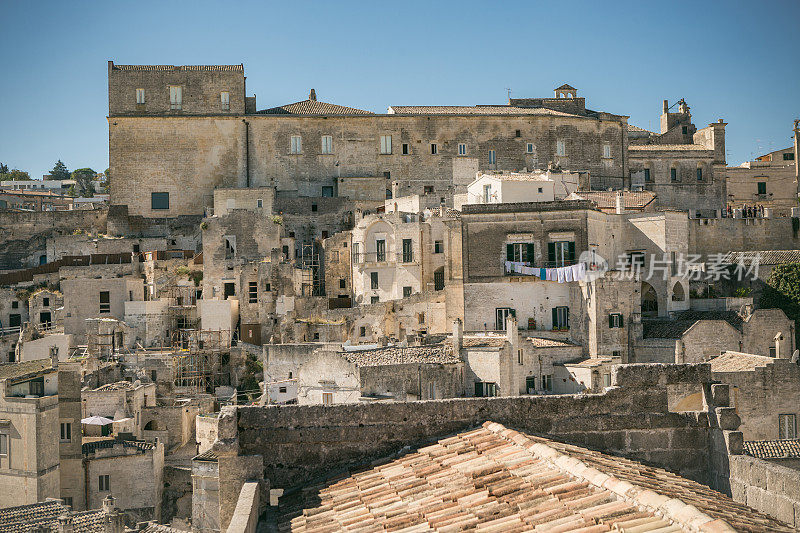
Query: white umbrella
<point x="97" y="421"/>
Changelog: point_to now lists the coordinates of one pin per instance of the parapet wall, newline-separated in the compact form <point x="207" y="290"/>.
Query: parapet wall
<point x="723" y="235"/>
<point x="300" y="443"/>
<point x="767" y="487"/>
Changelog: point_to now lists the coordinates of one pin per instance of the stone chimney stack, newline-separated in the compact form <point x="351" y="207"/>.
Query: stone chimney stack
<point x="666" y="106"/>
<point x="458" y="336"/>
<point x="108" y="505"/>
<point x="620" y="199"/>
<point x="512" y="333"/>
<point x="65" y="524"/>
<point x="780" y="349"/>
<point x="312" y="95"/>
<point x="395" y="189"/>
<point x="54" y="357"/>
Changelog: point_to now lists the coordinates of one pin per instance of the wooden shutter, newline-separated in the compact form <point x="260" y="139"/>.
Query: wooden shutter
<point x="555" y="317"/>
<point x="621" y="321"/>
<point x="551" y="252"/>
<point x="571" y="256"/>
<point x="611" y="320"/>
<point x="530" y="253"/>
<point x="509" y="252"/>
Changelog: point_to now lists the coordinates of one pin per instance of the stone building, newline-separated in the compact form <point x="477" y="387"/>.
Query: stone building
<point x="770" y="180"/>
<point x="684" y="166"/>
<point x="97" y="298"/>
<point x="29" y="432"/>
<point x="131" y="470"/>
<point x="122" y="402"/>
<point x="304" y="148"/>
<point x="57" y="516"/>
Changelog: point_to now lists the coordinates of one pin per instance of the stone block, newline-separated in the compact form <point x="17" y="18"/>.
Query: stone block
<point x="720" y="394"/>
<point x="734" y="442"/>
<point x="727" y="418"/>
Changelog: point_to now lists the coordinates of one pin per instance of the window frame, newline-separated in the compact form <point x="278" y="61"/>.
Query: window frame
<point x="787" y="426"/>
<point x="374" y="280"/>
<point x="326" y="142"/>
<point x="65" y="431"/>
<point x="529" y="148"/>
<point x="615" y="321"/>
<point x="140" y="96"/>
<point x="252" y="292"/>
<point x="560" y="317"/>
<point x="225" y="100"/>
<point x="296" y="144"/>
<point x="438" y="247"/>
<point x="434" y="149"/>
<point x="561" y="148"/>
<point x="157" y="200"/>
<point x="462" y="149"/>
<point x="380" y="250"/>
<point x="5" y="443"/>
<point x="407" y="251"/>
<point x="175" y="97"/>
<point x="761" y="186"/>
<point x="492" y="157"/>
<point x="607" y="151"/>
<point x="104" y="483"/>
<point x="105" y="306"/>
<point x="386" y="145"/>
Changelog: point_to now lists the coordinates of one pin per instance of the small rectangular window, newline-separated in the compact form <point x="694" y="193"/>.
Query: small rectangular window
<point x="139" y="96"/>
<point x="252" y="291"/>
<point x="547" y="382"/>
<point x="373" y="280"/>
<point x="530" y="385"/>
<point x="327" y="191"/>
<point x="520" y="357"/>
<point x="103" y="483"/>
<point x="3" y="444"/>
<point x="297" y="144"/>
<point x="560" y="317"/>
<point x="607" y="151"/>
<point x="159" y="200"/>
<point x="408" y="251"/>
<point x="561" y="148"/>
<point x="225" y="100"/>
<point x="342" y="283"/>
<point x="427" y="189"/>
<point x="362" y="332"/>
<point x="327" y="398"/>
<point x="787" y="426"/>
<point x="386" y="144"/>
<point x="438" y="247"/>
<point x="406" y="292"/>
<point x="762" y="187"/>
<point x="374" y="299"/>
<point x="434" y="149"/>
<point x="15" y="304"/>
<point x="518" y="133"/>
<point x="492" y="157"/>
<point x="45" y="302"/>
<point x="615" y="320"/>
<point x="462" y="149"/>
<point x="282" y="390"/>
<point x="259" y="203"/>
<point x="175" y="97"/>
<point x="267" y="287"/>
<point x="684" y="130"/>
<point x="405" y="148"/>
<point x="647" y="174"/>
<point x="487" y="194"/>
<point x="529" y="148"/>
<point x="673" y="174"/>
<point x="699" y="174"/>
<point x="788" y="156"/>
<point x="105" y="302"/>
<point x="66" y="431"/>
<point x="380" y="250"/>
<point x="327" y="144"/>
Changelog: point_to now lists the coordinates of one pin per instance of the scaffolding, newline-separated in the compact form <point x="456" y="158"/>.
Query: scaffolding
<point x="182" y="311"/>
<point x="105" y="337"/>
<point x="199" y="358"/>
<point x="313" y="277"/>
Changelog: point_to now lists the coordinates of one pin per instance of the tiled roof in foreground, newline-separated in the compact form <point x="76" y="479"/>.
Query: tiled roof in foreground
<point x="773" y="449"/>
<point x="497" y="479"/>
<point x="608" y="199"/>
<point x="45" y="515"/>
<point x="397" y="355"/>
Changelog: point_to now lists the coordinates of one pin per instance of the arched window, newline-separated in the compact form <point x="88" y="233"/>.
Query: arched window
<point x="649" y="300"/>
<point x="678" y="294"/>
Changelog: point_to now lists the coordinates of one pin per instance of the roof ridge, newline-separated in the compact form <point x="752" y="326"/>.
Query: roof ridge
<point x="673" y="509"/>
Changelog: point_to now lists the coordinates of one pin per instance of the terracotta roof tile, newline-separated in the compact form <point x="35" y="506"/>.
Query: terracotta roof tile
<point x="667" y="147"/>
<point x="45" y="514"/>
<point x="773" y="449"/>
<point x="313" y="107"/>
<point x="20" y="369"/>
<point x="395" y="355"/>
<point x="739" y="362"/>
<point x="495" y="479"/>
<point x="474" y="110"/>
<point x="608" y="199"/>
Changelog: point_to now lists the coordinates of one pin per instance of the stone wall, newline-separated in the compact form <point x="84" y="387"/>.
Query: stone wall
<point x="725" y="235"/>
<point x="298" y="443"/>
<point x="770" y="488"/>
<point x="176" y="500"/>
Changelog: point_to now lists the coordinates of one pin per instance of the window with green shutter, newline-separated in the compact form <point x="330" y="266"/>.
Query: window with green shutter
<point x="615" y="320"/>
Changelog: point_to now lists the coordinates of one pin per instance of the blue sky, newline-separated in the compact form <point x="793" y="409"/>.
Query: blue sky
<point x="732" y="60"/>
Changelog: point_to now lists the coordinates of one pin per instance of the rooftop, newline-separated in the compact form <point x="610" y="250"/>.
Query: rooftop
<point x="24" y="368"/>
<point x="496" y="479"/>
<point x="45" y="514"/>
<point x="395" y="355"/>
<point x="608" y="199"/>
<point x="765" y="257"/>
<point x="739" y="362"/>
<point x="773" y="449"/>
<point x="674" y="329"/>
<point x="539" y="342"/>
<point x="236" y="68"/>
<point x="474" y="110"/>
<point x="313" y="107"/>
<point x="667" y="147"/>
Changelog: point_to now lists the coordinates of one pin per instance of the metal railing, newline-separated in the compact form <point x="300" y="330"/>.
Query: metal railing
<point x="386" y="257"/>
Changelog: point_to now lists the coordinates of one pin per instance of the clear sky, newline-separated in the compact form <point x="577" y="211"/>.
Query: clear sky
<point x="729" y="59"/>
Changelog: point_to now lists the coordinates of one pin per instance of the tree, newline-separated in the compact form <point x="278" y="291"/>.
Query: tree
<point x="783" y="291"/>
<point x="59" y="171"/>
<point x="83" y="182"/>
<point x="3" y="168"/>
<point x="107" y="181"/>
<point x="14" y="174"/>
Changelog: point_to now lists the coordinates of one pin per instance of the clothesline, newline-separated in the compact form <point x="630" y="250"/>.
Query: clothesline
<point x="563" y="274"/>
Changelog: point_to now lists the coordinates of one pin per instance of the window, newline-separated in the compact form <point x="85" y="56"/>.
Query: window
<point x="282" y="390"/>
<point x="762" y="187"/>
<point x="159" y="200"/>
<point x="673" y="174"/>
<point x="547" y="382"/>
<point x="434" y="149"/>
<point x="259" y="203"/>
<point x="501" y="315"/>
<point x="374" y="299"/>
<point x="615" y="320"/>
<point x="327" y="144"/>
<point x="772" y="351"/>
<point x="699" y="174"/>
<point x="438" y="279"/>
<point x="405" y="149"/>
<point x="421" y="318"/>
<point x="15" y="304"/>
<point x="647" y="174"/>
<point x="362" y="332"/>
<point x="520" y="357"/>
<point x="684" y="130"/>
<point x="175" y="97"/>
<point x="408" y="251"/>
<point x="386" y="144"/>
<point x="560" y="253"/>
<point x="519" y="252"/>
<point x="66" y="431"/>
<point x="342" y="283"/>
<point x="297" y="144"/>
<point x="518" y="134"/>
<point x="406" y="292"/>
<point x="103" y="483"/>
<point x="530" y="385"/>
<point x="438" y="247"/>
<point x="327" y="191"/>
<point x="492" y="157"/>
<point x="607" y="151"/>
<point x="105" y="302"/>
<point x="561" y="148"/>
<point x="45" y="302"/>
<point x="606" y="379"/>
<point x="153" y="375"/>
<point x="313" y="208"/>
<point x="373" y="279"/>
<point x="540" y="190"/>
<point x="380" y="250"/>
<point x="485" y="389"/>
<point x="788" y="156"/>
<point x="462" y="149"/>
<point x="560" y="317"/>
<point x="225" y="100"/>
<point x="252" y="292"/>
<point x="139" y="96"/>
<point x="427" y="189"/>
<point x="529" y="148"/>
<point x="327" y="398"/>
<point x="3" y="444"/>
<point x="487" y="193"/>
<point x="787" y="427"/>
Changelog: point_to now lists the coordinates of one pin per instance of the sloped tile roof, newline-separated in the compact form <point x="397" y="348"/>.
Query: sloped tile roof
<point x="20" y="519"/>
<point x="234" y="68"/>
<point x="608" y="199"/>
<point x="20" y="369"/>
<point x="637" y="129"/>
<point x="395" y="355"/>
<point x="765" y="257"/>
<point x="484" y="341"/>
<point x="674" y="329"/>
<point x="496" y="479"/>
<point x="739" y="362"/>
<point x="474" y="110"/>
<point x="313" y="107"/>
<point x="539" y="342"/>
<point x="773" y="449"/>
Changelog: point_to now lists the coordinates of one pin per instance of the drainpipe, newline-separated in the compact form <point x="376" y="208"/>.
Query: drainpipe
<point x="247" y="152"/>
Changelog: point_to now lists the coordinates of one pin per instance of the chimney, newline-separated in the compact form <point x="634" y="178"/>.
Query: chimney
<point x="54" y="357"/>
<point x="65" y="524"/>
<point x="512" y="333"/>
<point x="780" y="353"/>
<point x="458" y="336"/>
<point x="108" y="505"/>
<point x="395" y="189"/>
<point x="312" y="95"/>
<point x="666" y="106"/>
<point x="620" y="199"/>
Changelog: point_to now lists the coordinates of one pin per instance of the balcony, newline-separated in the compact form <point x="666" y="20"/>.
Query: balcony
<point x="375" y="258"/>
<point x="543" y="264"/>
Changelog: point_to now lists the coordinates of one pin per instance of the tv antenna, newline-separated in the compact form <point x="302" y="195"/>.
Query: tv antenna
<point x="508" y="89"/>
